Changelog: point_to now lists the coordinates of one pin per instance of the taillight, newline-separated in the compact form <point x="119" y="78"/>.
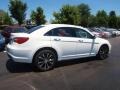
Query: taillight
<point x="21" y="40"/>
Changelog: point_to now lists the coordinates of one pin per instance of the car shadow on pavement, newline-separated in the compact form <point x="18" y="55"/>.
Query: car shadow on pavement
<point x="15" y="67"/>
<point x="75" y="61"/>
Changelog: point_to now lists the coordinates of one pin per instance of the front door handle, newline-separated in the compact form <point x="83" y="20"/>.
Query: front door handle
<point x="57" y="39"/>
<point x="80" y="41"/>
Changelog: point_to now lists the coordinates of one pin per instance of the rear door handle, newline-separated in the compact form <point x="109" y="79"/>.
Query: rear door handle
<point x="57" y="39"/>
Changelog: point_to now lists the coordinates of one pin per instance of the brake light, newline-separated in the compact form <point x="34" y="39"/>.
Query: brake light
<point x="21" y="40"/>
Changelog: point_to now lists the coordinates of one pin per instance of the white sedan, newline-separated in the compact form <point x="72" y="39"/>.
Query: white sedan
<point x="44" y="45"/>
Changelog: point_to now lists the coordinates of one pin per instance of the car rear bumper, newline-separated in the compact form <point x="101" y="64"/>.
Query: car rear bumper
<point x="18" y="55"/>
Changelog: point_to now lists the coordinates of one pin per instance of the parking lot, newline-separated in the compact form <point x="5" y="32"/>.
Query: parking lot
<point x="81" y="74"/>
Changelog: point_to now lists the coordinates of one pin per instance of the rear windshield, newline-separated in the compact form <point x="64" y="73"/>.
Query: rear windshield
<point x="34" y="29"/>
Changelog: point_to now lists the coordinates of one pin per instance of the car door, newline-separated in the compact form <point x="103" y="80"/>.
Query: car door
<point x="85" y="42"/>
<point x="63" y="40"/>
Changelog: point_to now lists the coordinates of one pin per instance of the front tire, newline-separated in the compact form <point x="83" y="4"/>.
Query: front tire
<point x="45" y="60"/>
<point x="103" y="52"/>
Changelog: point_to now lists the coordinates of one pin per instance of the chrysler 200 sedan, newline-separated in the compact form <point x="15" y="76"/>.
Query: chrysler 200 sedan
<point x="44" y="45"/>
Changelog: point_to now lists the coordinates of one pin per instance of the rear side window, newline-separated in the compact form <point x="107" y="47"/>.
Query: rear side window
<point x="62" y="32"/>
<point x="49" y="33"/>
<point x="34" y="29"/>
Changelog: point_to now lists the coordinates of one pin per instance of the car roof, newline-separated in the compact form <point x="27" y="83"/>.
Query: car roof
<point x="61" y="25"/>
<point x="48" y="27"/>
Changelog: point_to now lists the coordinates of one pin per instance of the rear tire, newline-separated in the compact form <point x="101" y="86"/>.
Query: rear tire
<point x="103" y="52"/>
<point x="45" y="60"/>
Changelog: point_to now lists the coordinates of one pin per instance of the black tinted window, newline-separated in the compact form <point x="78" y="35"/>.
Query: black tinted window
<point x="63" y="32"/>
<point x="49" y="33"/>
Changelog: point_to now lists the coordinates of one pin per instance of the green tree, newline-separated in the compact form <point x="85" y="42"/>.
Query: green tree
<point x="17" y="9"/>
<point x="1" y="17"/>
<point x="112" y="20"/>
<point x="33" y="16"/>
<point x="84" y="11"/>
<point x="102" y="19"/>
<point x="38" y="16"/>
<point x="7" y="19"/>
<point x="67" y="15"/>
<point x="118" y="22"/>
<point x="92" y="21"/>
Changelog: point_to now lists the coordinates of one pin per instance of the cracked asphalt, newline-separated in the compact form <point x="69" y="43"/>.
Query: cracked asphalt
<point x="80" y="74"/>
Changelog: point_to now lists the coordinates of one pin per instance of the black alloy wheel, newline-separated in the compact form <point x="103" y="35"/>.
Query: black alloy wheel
<point x="45" y="60"/>
<point x="103" y="52"/>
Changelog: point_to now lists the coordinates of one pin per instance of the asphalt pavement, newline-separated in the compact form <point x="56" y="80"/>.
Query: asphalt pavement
<point x="80" y="74"/>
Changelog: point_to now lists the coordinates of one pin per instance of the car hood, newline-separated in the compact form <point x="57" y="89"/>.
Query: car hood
<point x="102" y="41"/>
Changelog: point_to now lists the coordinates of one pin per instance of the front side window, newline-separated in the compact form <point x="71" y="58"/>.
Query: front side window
<point x="83" y="34"/>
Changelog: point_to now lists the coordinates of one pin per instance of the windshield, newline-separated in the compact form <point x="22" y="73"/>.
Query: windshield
<point x="34" y="29"/>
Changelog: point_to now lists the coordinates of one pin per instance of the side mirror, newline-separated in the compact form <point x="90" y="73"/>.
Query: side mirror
<point x="94" y="37"/>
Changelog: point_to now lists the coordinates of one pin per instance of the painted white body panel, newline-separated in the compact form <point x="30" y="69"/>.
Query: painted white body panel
<point x="67" y="48"/>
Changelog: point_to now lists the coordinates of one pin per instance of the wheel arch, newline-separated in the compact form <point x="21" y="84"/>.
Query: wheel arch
<point x="104" y="45"/>
<point x="44" y="48"/>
